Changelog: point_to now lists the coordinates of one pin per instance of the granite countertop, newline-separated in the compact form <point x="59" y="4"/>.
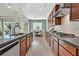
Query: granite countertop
<point x="73" y="41"/>
<point x="8" y="41"/>
<point x="7" y="38"/>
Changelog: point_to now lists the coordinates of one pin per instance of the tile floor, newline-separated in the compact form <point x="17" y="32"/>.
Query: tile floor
<point x="39" y="47"/>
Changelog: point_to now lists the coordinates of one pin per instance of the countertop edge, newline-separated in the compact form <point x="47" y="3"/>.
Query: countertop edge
<point x="70" y="43"/>
<point x="17" y="38"/>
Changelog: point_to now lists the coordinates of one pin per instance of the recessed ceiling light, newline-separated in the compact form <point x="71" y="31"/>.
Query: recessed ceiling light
<point x="9" y="6"/>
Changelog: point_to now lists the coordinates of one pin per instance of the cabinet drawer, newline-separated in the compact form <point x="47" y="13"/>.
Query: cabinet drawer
<point x="71" y="49"/>
<point x="63" y="52"/>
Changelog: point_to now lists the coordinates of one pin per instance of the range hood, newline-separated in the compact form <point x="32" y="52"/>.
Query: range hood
<point x="62" y="11"/>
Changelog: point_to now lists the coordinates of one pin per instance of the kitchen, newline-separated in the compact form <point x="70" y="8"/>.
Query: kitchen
<point x="60" y="28"/>
<point x="66" y="29"/>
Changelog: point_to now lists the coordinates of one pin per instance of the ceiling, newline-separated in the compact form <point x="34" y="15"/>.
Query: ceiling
<point x="30" y="10"/>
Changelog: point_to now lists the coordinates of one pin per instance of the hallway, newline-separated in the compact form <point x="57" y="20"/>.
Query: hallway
<point x="39" y="47"/>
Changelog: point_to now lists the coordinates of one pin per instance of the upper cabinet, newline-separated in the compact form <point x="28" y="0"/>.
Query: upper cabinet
<point x="58" y="12"/>
<point x="74" y="12"/>
<point x="65" y="8"/>
<point x="57" y="19"/>
<point x="66" y="5"/>
<point x="50" y="20"/>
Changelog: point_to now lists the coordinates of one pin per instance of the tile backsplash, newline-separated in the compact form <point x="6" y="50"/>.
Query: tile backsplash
<point x="68" y="26"/>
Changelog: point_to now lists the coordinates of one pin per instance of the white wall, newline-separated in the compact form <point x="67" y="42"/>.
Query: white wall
<point x="7" y="12"/>
<point x="24" y="25"/>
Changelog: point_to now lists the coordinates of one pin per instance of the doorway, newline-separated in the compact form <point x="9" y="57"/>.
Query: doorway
<point x="37" y="25"/>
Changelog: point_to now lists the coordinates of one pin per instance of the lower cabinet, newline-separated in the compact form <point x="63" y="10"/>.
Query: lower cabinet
<point x="63" y="52"/>
<point x="55" y="48"/>
<point x="78" y="52"/>
<point x="68" y="48"/>
<point x="61" y="48"/>
<point x="28" y="43"/>
<point x="23" y="46"/>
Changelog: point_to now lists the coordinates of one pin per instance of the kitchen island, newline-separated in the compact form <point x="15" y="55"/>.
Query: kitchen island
<point x="17" y="45"/>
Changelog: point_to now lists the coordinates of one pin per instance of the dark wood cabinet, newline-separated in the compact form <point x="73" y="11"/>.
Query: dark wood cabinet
<point x="60" y="47"/>
<point x="63" y="52"/>
<point x="25" y="43"/>
<point x="74" y="12"/>
<point x="23" y="46"/>
<point x="78" y="52"/>
<point x="58" y="21"/>
<point x="68" y="48"/>
<point x="57" y="7"/>
<point x="28" y="43"/>
<point x="50" y="20"/>
<point x="53" y="42"/>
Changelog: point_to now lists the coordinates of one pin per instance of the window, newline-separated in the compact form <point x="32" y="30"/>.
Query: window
<point x="37" y="26"/>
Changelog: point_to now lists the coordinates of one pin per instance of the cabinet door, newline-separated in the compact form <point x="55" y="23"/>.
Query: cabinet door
<point x="23" y="47"/>
<point x="28" y="41"/>
<point x="78" y="52"/>
<point x="58" y="21"/>
<point x="63" y="52"/>
<point x="68" y="47"/>
<point x="50" y="22"/>
<point x="55" y="47"/>
<point x="74" y="11"/>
